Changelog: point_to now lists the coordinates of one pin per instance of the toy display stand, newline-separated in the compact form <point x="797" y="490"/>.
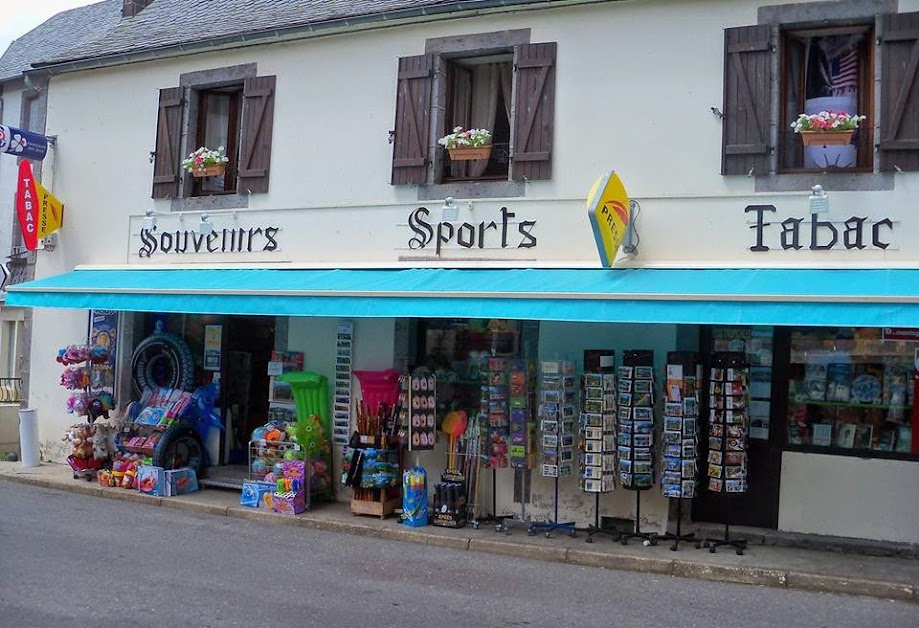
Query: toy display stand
<point x="379" y="501"/>
<point x="499" y="521"/>
<point x="648" y="538"/>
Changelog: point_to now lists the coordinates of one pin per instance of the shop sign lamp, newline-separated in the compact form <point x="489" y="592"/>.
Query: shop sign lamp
<point x="206" y="227"/>
<point x="819" y="201"/>
<point x="450" y="209"/>
<point x="149" y="220"/>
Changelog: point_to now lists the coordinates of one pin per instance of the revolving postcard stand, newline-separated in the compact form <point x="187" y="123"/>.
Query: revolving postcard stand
<point x="557" y="403"/>
<point x="727" y="438"/>
<point x="635" y="434"/>
<point x="495" y="426"/>
<point x="597" y="442"/>
<point x="679" y="453"/>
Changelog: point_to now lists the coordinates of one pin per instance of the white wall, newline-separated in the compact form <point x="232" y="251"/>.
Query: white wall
<point x="850" y="497"/>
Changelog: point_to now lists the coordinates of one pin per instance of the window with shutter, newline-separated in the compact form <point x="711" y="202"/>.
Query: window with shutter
<point x="899" y="106"/>
<point x="495" y="81"/>
<point x="229" y="107"/>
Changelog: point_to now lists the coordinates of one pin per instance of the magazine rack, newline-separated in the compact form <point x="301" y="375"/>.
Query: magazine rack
<point x="635" y="434"/>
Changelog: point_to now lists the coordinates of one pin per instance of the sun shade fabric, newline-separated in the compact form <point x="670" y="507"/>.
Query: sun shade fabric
<point x="871" y="298"/>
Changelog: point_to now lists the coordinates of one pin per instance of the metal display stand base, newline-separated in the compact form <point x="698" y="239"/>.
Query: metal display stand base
<point x="648" y="538"/>
<point x="499" y="521"/>
<point x="676" y="538"/>
<point x="595" y="528"/>
<point x="548" y="527"/>
<point x="713" y="544"/>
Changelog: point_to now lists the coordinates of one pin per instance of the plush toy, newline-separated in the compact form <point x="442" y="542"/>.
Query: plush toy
<point x="101" y="448"/>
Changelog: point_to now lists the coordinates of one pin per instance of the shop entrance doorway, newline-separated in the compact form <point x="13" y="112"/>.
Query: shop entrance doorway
<point x="759" y="506"/>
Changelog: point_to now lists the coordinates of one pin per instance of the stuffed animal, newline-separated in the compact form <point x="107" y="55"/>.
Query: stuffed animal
<point x="101" y="442"/>
<point x="80" y="437"/>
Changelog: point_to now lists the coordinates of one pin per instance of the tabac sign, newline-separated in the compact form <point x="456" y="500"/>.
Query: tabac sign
<point x="40" y="214"/>
<point x="608" y="209"/>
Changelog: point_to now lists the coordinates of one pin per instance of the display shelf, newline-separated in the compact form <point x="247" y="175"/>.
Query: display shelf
<point x="846" y="404"/>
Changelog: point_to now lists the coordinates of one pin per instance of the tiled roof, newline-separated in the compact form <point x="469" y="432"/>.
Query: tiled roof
<point x="66" y="30"/>
<point x="168" y="23"/>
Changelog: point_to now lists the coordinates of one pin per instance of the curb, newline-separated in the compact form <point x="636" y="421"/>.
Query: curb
<point x="759" y="576"/>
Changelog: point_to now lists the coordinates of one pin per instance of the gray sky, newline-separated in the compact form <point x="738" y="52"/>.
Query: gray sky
<point x="27" y="14"/>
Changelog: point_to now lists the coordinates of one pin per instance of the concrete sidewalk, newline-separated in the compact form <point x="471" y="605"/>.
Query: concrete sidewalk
<point x="793" y="568"/>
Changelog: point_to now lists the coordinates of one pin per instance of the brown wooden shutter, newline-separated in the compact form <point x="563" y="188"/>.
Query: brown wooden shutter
<point x="168" y="136"/>
<point x="413" y="120"/>
<point x="747" y="100"/>
<point x="899" y="141"/>
<point x="258" y="127"/>
<point x="534" y="111"/>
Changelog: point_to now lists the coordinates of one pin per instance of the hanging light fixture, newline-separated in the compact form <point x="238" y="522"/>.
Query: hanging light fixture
<point x="206" y="227"/>
<point x="149" y="220"/>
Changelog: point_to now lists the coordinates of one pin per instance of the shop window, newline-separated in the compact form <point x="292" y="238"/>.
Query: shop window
<point x="828" y="67"/>
<point x="229" y="107"/>
<point x="851" y="392"/>
<point x="498" y="81"/>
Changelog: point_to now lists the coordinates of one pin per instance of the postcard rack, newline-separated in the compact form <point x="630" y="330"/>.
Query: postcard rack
<point x="635" y="434"/>
<point x="727" y="444"/>
<point x="679" y="455"/>
<point x="557" y="403"/>
<point x="597" y="441"/>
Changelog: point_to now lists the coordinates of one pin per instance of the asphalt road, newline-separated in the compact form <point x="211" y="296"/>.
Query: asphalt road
<point x="77" y="561"/>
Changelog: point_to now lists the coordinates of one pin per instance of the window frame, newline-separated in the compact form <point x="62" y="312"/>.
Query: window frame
<point x="429" y="74"/>
<point x="177" y="136"/>
<point x="881" y="176"/>
<point x="230" y="180"/>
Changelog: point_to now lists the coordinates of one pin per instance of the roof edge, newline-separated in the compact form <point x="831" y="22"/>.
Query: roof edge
<point x="400" y="17"/>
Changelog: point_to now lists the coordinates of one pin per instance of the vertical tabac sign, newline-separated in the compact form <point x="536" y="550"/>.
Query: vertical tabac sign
<point x="40" y="214"/>
<point x="608" y="208"/>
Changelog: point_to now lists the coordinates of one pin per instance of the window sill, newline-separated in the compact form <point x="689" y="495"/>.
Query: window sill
<point x="873" y="454"/>
<point x="804" y="180"/>
<point x="211" y="202"/>
<point x="472" y="189"/>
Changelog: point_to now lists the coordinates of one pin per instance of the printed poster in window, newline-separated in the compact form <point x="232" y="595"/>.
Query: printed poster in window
<point x="213" y="338"/>
<point x="103" y="331"/>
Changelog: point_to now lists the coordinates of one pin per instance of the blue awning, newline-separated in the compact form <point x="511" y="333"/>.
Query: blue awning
<point x="847" y="297"/>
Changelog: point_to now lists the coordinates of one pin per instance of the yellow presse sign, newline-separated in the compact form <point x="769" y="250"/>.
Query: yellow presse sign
<point x="608" y="209"/>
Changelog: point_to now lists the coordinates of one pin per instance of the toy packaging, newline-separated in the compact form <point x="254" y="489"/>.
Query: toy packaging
<point x="253" y="493"/>
<point x="181" y="481"/>
<point x="289" y="497"/>
<point x="151" y="480"/>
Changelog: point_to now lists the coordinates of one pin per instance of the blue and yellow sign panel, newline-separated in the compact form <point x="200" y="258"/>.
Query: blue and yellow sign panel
<point x="608" y="209"/>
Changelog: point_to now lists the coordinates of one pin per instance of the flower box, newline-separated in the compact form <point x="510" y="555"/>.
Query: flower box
<point x="826" y="138"/>
<point x="468" y="154"/>
<point x="209" y="171"/>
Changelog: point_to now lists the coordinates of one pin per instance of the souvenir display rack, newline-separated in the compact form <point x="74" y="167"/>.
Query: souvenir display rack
<point x="521" y="434"/>
<point x="727" y="444"/>
<point x="557" y="403"/>
<point x="635" y="433"/>
<point x="679" y="455"/>
<point x="597" y="442"/>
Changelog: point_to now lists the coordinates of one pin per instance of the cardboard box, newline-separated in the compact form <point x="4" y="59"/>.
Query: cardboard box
<point x="253" y="493"/>
<point x="181" y="481"/>
<point x="151" y="480"/>
<point x="289" y="503"/>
